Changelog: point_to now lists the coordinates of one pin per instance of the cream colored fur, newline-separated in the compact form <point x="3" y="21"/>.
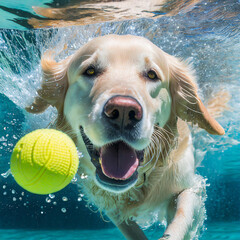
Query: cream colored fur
<point x="166" y="183"/>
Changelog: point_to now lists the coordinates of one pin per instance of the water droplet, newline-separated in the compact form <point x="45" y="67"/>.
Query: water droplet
<point x="80" y="154"/>
<point x="6" y="174"/>
<point x="74" y="180"/>
<point x="52" y="196"/>
<point x="63" y="210"/>
<point x="84" y="176"/>
<point x="65" y="199"/>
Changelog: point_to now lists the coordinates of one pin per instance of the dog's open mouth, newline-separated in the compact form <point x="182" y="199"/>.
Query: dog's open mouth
<point x="118" y="160"/>
<point x="116" y="163"/>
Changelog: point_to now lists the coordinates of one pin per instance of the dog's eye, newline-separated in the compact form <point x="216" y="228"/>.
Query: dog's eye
<point x="152" y="75"/>
<point x="90" y="71"/>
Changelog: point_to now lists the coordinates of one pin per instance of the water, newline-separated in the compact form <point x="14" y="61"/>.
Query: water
<point x="216" y="231"/>
<point x="207" y="33"/>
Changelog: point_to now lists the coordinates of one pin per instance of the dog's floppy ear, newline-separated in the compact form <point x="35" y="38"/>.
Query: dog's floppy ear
<point x="186" y="103"/>
<point x="54" y="85"/>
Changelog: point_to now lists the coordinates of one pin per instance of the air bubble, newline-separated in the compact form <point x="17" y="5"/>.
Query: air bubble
<point x="74" y="180"/>
<point x="4" y="186"/>
<point x="84" y="176"/>
<point x="80" y="154"/>
<point x="52" y="196"/>
<point x="79" y="199"/>
<point x="4" y="193"/>
<point x="63" y="210"/>
<point x="48" y="200"/>
<point x="13" y="191"/>
<point x="65" y="199"/>
<point x="14" y="199"/>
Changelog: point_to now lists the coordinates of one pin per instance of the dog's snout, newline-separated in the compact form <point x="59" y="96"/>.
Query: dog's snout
<point x="123" y="111"/>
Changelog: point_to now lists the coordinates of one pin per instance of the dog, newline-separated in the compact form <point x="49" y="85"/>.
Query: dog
<point x="127" y="105"/>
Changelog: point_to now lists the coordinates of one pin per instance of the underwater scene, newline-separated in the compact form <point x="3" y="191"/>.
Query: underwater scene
<point x="204" y="33"/>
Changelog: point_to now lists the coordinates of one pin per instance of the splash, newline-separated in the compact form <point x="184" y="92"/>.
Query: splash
<point x="6" y="174"/>
<point x="20" y="71"/>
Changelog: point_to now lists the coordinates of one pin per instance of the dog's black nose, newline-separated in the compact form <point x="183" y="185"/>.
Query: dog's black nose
<point x="123" y="111"/>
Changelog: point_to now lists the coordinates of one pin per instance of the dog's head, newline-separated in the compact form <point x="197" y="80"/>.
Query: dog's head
<point x="113" y="92"/>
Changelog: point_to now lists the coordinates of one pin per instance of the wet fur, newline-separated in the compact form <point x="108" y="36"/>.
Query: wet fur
<point x="167" y="182"/>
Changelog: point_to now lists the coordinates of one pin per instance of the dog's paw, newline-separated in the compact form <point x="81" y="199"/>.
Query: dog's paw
<point x="165" y="237"/>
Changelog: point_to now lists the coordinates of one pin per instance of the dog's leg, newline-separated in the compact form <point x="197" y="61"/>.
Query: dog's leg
<point x="186" y="207"/>
<point x="131" y="230"/>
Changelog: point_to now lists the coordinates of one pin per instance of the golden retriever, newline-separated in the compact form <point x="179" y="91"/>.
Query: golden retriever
<point x="125" y="103"/>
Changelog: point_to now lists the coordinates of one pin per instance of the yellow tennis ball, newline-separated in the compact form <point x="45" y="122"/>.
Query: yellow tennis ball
<point x="44" y="161"/>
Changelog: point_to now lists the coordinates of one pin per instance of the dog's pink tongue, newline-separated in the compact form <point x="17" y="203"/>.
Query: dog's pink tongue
<point x="119" y="161"/>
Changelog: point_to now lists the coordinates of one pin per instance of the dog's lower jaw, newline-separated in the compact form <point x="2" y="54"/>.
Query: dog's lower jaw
<point x="116" y="188"/>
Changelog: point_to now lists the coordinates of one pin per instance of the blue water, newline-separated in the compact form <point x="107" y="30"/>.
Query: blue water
<point x="208" y="36"/>
<point x="215" y="231"/>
